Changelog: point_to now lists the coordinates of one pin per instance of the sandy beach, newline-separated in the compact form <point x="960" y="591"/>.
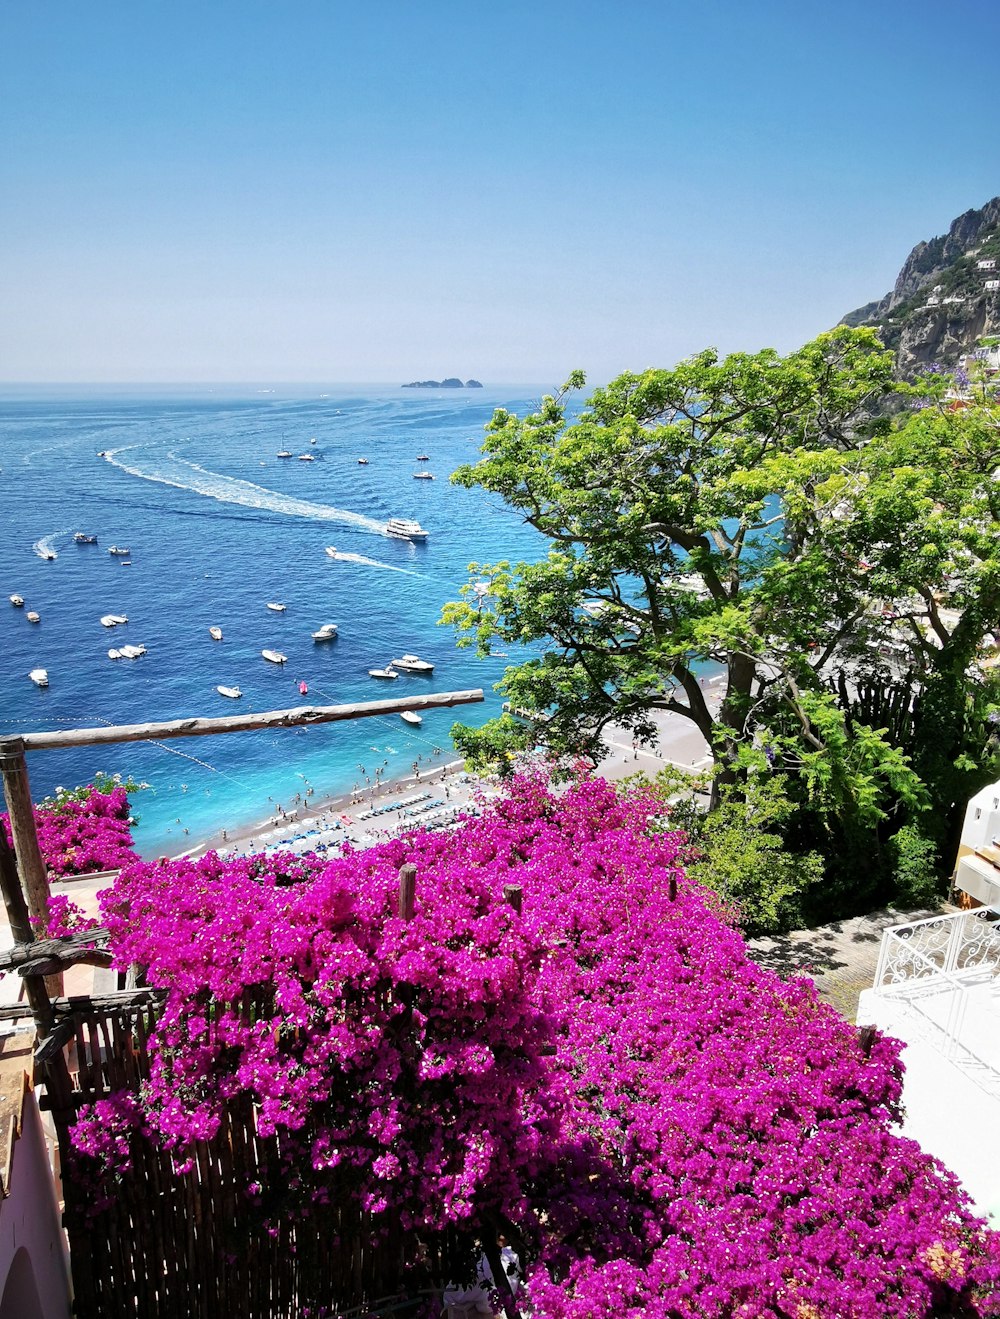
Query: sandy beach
<point x="437" y="791"/>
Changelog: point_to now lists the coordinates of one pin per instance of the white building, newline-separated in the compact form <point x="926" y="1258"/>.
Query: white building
<point x="987" y="263"/>
<point x="937" y="988"/>
<point x="992" y="284"/>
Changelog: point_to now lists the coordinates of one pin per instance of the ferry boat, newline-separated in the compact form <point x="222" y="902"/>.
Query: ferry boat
<point x="405" y="529"/>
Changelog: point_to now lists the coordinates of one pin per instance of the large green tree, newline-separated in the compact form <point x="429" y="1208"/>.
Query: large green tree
<point x="747" y="512"/>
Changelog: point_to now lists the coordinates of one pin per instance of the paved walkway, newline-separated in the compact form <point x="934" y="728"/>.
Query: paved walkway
<point x="840" y="958"/>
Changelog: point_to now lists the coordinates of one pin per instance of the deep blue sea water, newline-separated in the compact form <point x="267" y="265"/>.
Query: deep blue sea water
<point x="218" y="526"/>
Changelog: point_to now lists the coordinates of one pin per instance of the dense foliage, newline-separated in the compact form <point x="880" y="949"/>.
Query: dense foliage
<point x="663" y="1127"/>
<point x="86" y="830"/>
<point x="745" y="513"/>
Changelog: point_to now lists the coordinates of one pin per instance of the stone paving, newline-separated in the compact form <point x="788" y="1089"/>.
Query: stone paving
<point x="840" y="958"/>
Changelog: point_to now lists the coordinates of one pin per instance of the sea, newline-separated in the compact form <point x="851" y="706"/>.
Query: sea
<point x="217" y="526"/>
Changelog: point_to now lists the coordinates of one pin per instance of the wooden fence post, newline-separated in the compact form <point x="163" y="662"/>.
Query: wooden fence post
<point x="17" y="793"/>
<point x="407" y="890"/>
<point x="513" y="893"/>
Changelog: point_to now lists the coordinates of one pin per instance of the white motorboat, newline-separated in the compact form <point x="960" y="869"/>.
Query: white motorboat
<point x="115" y="654"/>
<point x="81" y="538"/>
<point x="332" y="551"/>
<point x="387" y="672"/>
<point x="278" y="608"/>
<point x="33" y="617"/>
<point x="18" y="600"/>
<point x="328" y="632"/>
<point x="132" y="652"/>
<point x="405" y="529"/>
<point x="312" y="441"/>
<point x="422" y="458"/>
<point x="362" y="462"/>
<point x="306" y="458"/>
<point x="285" y="453"/>
<point x="423" y="476"/>
<point x="122" y="551"/>
<point x="233" y="693"/>
<point x="410" y="717"/>
<point x="215" y="633"/>
<point x="113" y="620"/>
<point x="275" y="656"/>
<point x="39" y="677"/>
<point x="412" y="664"/>
<point x="47" y="554"/>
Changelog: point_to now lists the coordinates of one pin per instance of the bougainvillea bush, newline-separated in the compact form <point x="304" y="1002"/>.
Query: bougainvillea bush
<point x="664" y="1128"/>
<point x="86" y="830"/>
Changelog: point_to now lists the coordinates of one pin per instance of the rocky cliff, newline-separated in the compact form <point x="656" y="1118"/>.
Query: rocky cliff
<point x="940" y="307"/>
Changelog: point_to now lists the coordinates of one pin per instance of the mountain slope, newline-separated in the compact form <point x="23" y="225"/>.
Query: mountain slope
<point x="940" y="306"/>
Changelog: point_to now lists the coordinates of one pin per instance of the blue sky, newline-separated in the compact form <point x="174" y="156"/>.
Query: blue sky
<point x="380" y="190"/>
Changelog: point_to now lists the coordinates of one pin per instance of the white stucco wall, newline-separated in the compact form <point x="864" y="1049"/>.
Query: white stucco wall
<point x="34" y="1271"/>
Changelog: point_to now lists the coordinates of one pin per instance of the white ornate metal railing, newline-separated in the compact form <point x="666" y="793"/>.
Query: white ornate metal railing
<point x="946" y="971"/>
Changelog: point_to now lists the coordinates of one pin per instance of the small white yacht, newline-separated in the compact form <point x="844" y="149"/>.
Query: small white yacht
<point x="18" y="600"/>
<point x="278" y="608"/>
<point x="362" y="462"/>
<point x="328" y="632"/>
<point x="412" y="664"/>
<point x="113" y="620"/>
<point x="233" y="693"/>
<point x="275" y="656"/>
<point x="285" y="453"/>
<point x="387" y="672"/>
<point x="307" y="458"/>
<point x="405" y="529"/>
<point x="122" y="551"/>
<point x="215" y="633"/>
<point x="33" y="617"/>
<point x="115" y="654"/>
<point x="423" y="476"/>
<point x="422" y="458"/>
<point x="81" y="538"/>
<point x="39" y="677"/>
<point x="131" y="652"/>
<point x="410" y="717"/>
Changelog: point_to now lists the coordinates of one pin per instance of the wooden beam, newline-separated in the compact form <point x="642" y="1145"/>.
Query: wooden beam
<point x="300" y="716"/>
<point x="89" y="1004"/>
<point x="69" y="945"/>
<point x="17" y="793"/>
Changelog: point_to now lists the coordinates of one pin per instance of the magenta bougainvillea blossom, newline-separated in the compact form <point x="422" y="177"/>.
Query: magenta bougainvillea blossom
<point x="80" y="835"/>
<point x="667" y="1129"/>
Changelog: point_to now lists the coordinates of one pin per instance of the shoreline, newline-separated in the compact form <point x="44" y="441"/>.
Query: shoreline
<point x="348" y="816"/>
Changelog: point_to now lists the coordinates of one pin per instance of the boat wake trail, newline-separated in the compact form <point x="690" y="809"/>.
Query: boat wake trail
<point x="46" y="547"/>
<point x="373" y="563"/>
<point x="184" y="475"/>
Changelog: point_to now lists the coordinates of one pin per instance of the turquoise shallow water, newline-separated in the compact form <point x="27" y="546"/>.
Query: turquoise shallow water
<point x="218" y="526"/>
